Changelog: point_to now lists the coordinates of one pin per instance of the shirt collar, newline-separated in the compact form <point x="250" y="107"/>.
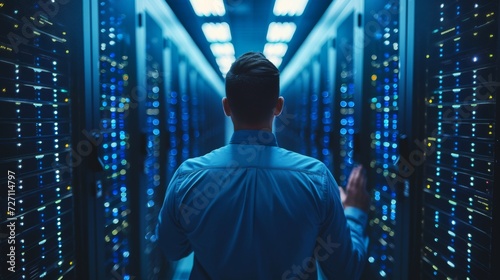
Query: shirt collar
<point x="253" y="137"/>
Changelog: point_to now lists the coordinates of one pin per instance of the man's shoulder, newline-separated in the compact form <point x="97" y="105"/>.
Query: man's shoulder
<point x="272" y="157"/>
<point x="209" y="160"/>
<point x="299" y="161"/>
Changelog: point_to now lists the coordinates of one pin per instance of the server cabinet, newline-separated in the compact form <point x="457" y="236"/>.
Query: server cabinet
<point x="326" y="113"/>
<point x="118" y="99"/>
<point x="173" y="119"/>
<point x="184" y="113"/>
<point x="292" y="127"/>
<point x="194" y="118"/>
<point x="212" y="118"/>
<point x="153" y="118"/>
<point x="457" y="76"/>
<point x="310" y="103"/>
<point x="306" y="123"/>
<point x="37" y="218"/>
<point x="315" y="110"/>
<point x="73" y="149"/>
<point x="287" y="130"/>
<point x="382" y="126"/>
<point x="344" y="105"/>
<point x="309" y="110"/>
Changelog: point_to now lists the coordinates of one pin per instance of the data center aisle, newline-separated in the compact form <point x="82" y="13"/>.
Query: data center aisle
<point x="101" y="100"/>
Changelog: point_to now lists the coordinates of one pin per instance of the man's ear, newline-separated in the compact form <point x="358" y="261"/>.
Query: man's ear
<point x="279" y="106"/>
<point x="225" y="106"/>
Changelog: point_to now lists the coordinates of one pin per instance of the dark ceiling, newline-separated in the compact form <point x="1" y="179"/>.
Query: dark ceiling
<point x="248" y="21"/>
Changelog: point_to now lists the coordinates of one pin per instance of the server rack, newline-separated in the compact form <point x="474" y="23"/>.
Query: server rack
<point x="309" y="111"/>
<point x="457" y="74"/>
<point x="175" y="127"/>
<point x="154" y="131"/>
<point x="173" y="115"/>
<point x="37" y="232"/>
<point x="293" y="129"/>
<point x="212" y="121"/>
<point x="116" y="121"/>
<point x="326" y="109"/>
<point x="344" y="104"/>
<point x="74" y="104"/>
<point x="183" y="113"/>
<point x="194" y="108"/>
<point x="306" y="123"/>
<point x="381" y="102"/>
<point x="315" y="124"/>
<point x="303" y="111"/>
<point x="360" y="119"/>
<point x="175" y="123"/>
<point x="288" y="131"/>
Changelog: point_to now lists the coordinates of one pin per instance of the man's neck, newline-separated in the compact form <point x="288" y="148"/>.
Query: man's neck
<point x="253" y="127"/>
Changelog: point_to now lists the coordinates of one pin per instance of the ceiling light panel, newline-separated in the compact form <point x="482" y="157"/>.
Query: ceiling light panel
<point x="276" y="60"/>
<point x="205" y="8"/>
<point x="289" y="7"/>
<point x="275" y="49"/>
<point x="222" y="49"/>
<point x="225" y="63"/>
<point x="280" y="31"/>
<point x="216" y="32"/>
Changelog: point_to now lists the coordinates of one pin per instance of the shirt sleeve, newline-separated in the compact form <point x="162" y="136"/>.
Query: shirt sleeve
<point x="172" y="238"/>
<point x="342" y="243"/>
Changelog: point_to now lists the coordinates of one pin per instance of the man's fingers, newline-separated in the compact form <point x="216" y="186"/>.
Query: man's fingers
<point x="357" y="177"/>
<point x="356" y="194"/>
<point x="343" y="195"/>
<point x="342" y="192"/>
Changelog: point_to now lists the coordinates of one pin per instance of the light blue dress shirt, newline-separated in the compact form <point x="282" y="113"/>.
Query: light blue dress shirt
<point x="252" y="210"/>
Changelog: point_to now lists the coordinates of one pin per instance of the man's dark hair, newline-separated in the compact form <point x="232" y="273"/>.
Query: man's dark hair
<point x="252" y="88"/>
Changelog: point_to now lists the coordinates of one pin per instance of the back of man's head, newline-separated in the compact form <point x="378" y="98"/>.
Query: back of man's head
<point x="252" y="88"/>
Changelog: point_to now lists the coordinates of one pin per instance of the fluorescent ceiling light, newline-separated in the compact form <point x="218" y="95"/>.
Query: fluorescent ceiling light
<point x="276" y="60"/>
<point x="205" y="8"/>
<point x="225" y="63"/>
<point x="281" y="31"/>
<point x="275" y="49"/>
<point x="224" y="72"/>
<point x="222" y="49"/>
<point x="289" y="7"/>
<point x="216" y="32"/>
